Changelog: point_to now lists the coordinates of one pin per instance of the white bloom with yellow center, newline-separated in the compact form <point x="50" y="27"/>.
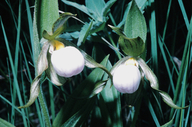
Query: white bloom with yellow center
<point x="127" y="77"/>
<point x="67" y="61"/>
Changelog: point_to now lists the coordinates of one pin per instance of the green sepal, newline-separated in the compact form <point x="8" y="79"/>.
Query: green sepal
<point x="130" y="46"/>
<point x="59" y="26"/>
<point x="47" y="36"/>
<point x="151" y="77"/>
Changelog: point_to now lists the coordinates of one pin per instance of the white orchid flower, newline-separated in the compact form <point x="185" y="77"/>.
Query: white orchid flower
<point x="127" y="77"/>
<point x="67" y="61"/>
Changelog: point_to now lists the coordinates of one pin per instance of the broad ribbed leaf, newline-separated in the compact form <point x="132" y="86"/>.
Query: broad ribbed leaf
<point x="141" y="5"/>
<point x="135" y="25"/>
<point x="46" y="13"/>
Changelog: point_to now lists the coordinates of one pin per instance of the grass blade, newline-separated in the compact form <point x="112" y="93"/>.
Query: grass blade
<point x="13" y="71"/>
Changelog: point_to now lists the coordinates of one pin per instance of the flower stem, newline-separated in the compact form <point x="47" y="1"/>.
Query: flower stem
<point x="44" y="110"/>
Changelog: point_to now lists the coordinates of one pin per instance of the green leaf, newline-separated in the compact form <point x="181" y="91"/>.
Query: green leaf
<point x="140" y="4"/>
<point x="46" y="13"/>
<point x="170" y="123"/>
<point x="84" y="33"/>
<point x="4" y="123"/>
<point x="36" y="35"/>
<point x="97" y="26"/>
<point x="154" y="116"/>
<point x="95" y="8"/>
<point x="99" y="86"/>
<point x="118" y="30"/>
<point x="75" y="120"/>
<point x="107" y="7"/>
<point x="77" y="100"/>
<point x="110" y="104"/>
<point x="130" y="46"/>
<point x="135" y="25"/>
<point x="78" y="6"/>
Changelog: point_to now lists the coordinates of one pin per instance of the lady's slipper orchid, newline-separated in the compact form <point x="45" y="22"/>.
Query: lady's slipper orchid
<point x="127" y="77"/>
<point x="67" y="61"/>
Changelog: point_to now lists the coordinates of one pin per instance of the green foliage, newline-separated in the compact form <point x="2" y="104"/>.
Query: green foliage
<point x="132" y="38"/>
<point x="4" y="123"/>
<point x="138" y="28"/>
<point x="79" y="101"/>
